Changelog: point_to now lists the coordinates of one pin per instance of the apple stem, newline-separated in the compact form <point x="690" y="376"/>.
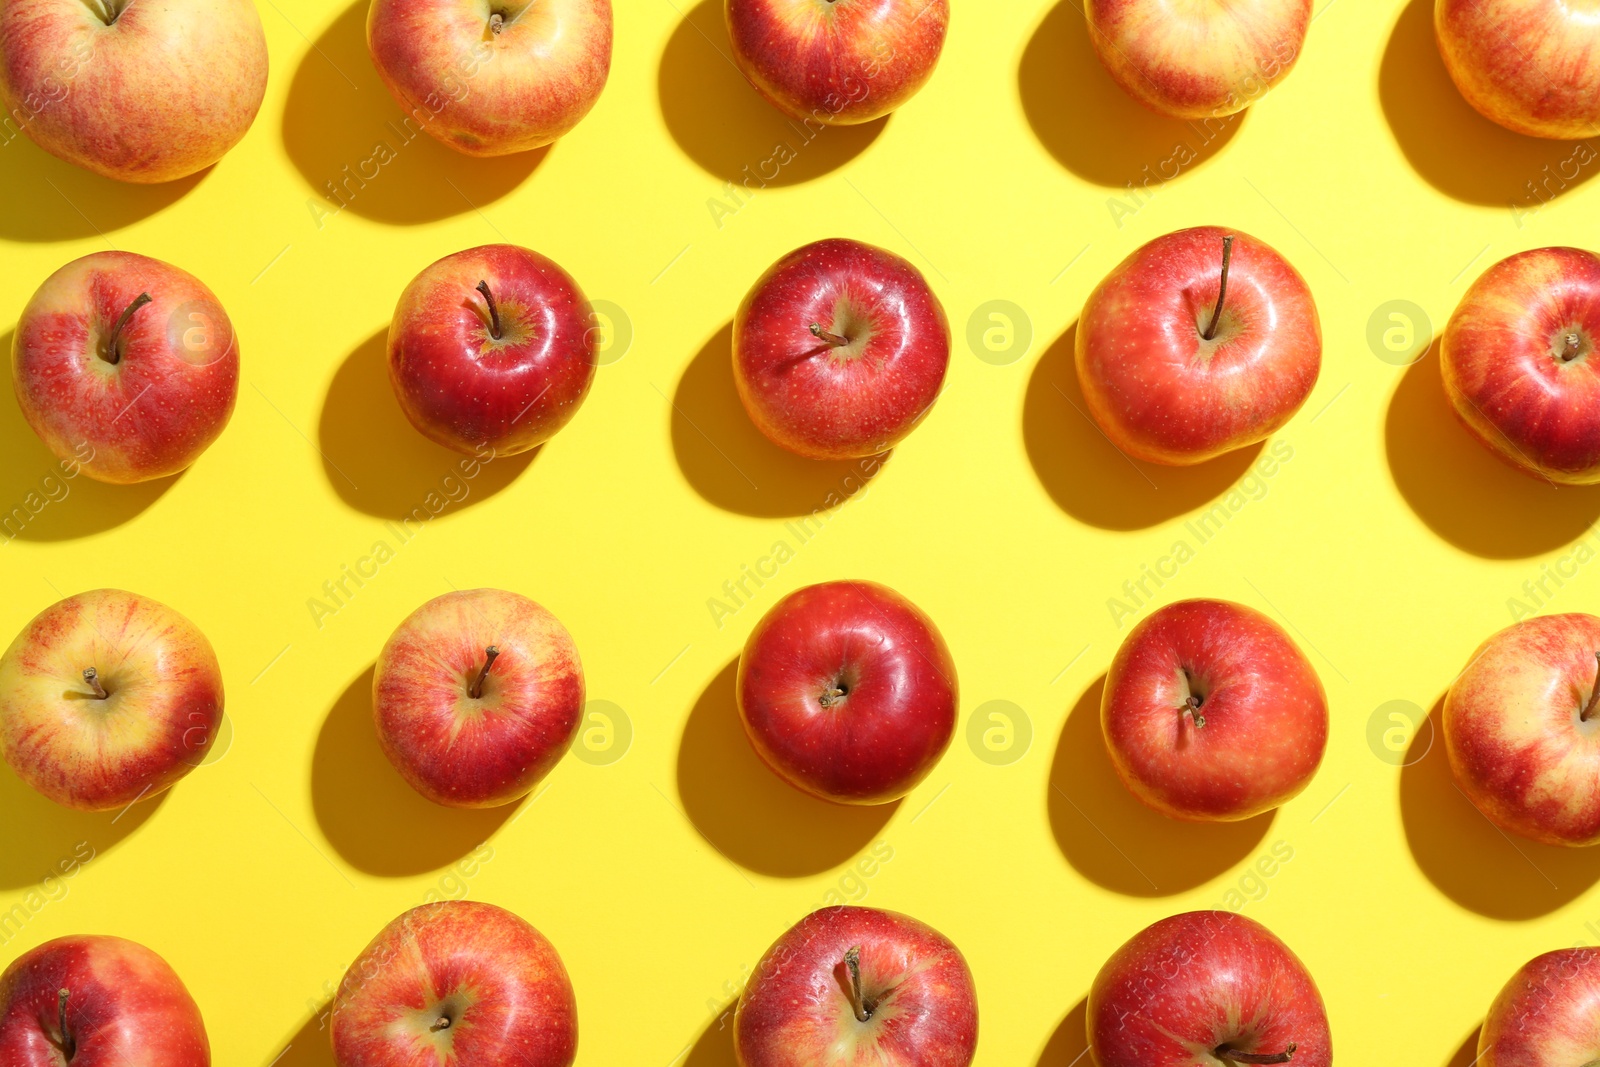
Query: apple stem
<point x="442" y="1023"/>
<point x="494" y="312"/>
<point x="497" y="23"/>
<point x="111" y="354"/>
<point x="832" y="696"/>
<point x="1594" y="697"/>
<point x="863" y="1008"/>
<point x="1223" y="1052"/>
<point x="832" y="338"/>
<point x="92" y="676"/>
<point x="1222" y="288"/>
<point x="1192" y="709"/>
<point x="69" y="1047"/>
<point x="1570" y="346"/>
<point x="488" y="661"/>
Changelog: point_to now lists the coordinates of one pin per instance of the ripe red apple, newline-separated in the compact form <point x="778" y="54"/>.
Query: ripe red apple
<point x="1522" y="729"/>
<point x="848" y="985"/>
<point x="1200" y="342"/>
<point x="1533" y="66"/>
<point x="491" y="346"/>
<point x="1548" y="1015"/>
<point x="476" y="696"/>
<point x="97" y="1001"/>
<point x="135" y="91"/>
<point x="1206" y="987"/>
<point x="837" y="64"/>
<point x="839" y="350"/>
<point x="1520" y="366"/>
<point x="107" y="697"/>
<point x="848" y="692"/>
<point x="1210" y="712"/>
<point x="456" y="982"/>
<point x="127" y="360"/>
<point x="1199" y="61"/>
<point x="489" y="79"/>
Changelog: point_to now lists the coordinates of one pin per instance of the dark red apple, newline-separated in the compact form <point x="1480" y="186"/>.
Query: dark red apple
<point x="1520" y="366"/>
<point x="839" y="350"/>
<point x="1211" y="712"/>
<point x="848" y="986"/>
<point x="1206" y="988"/>
<point x="492" y="346"/>
<point x="1200" y="342"/>
<point x="1548" y="1015"/>
<point x="848" y="692"/>
<point x="98" y="1001"/>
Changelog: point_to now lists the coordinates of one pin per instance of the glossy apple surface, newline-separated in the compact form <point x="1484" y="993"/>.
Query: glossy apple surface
<point x="914" y="1006"/>
<point x="136" y="91"/>
<point x="489" y="79"/>
<point x="837" y="62"/>
<point x="145" y="718"/>
<point x="122" y="1004"/>
<point x="1520" y="365"/>
<point x="1548" y="1015"/>
<point x="847" y="691"/>
<point x="1164" y="392"/>
<point x="467" y="726"/>
<point x="505" y="368"/>
<point x="1522" y="729"/>
<point x="868" y="373"/>
<point x="456" y="982"/>
<point x="1207" y="988"/>
<point x="140" y="387"/>
<point x="1211" y="712"/>
<point x="1533" y="66"/>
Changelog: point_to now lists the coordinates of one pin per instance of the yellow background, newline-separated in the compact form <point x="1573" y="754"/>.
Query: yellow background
<point x="1389" y="543"/>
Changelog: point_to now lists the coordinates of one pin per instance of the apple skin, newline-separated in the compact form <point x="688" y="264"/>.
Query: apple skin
<point x="837" y="62"/>
<point x="1163" y="393"/>
<point x="495" y="977"/>
<point x="125" y="1007"/>
<point x="896" y="715"/>
<point x="161" y="92"/>
<point x="463" y="388"/>
<point x="161" y="714"/>
<point x="1505" y="366"/>
<point x="796" y="1010"/>
<point x="169" y="395"/>
<point x="1185" y="986"/>
<point x="1205" y="60"/>
<point x="1517" y="744"/>
<point x="1264" y="710"/>
<point x="1548" y="1015"/>
<point x="489" y="92"/>
<point x="1533" y="66"/>
<point x="824" y="401"/>
<point x="467" y="752"/>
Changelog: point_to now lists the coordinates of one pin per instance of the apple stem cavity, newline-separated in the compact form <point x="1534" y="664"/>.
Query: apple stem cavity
<point x="863" y="1008"/>
<point x="69" y="1047"/>
<point x="494" y="312"/>
<point x="112" y="354"/>
<point x="488" y="661"/>
<point x="1222" y="288"/>
<point x="92" y="676"/>
<point x="1223" y="1052"/>
<point x="832" y="338"/>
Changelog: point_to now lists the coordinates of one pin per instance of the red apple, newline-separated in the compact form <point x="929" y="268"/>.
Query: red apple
<point x="1548" y="1015"/>
<point x="847" y="986"/>
<point x="477" y="696"/>
<point x="489" y="79"/>
<point x="1520" y="366"/>
<point x="97" y="1001"/>
<point x="127" y="360"/>
<point x="1205" y="60"/>
<point x="107" y="697"/>
<point x="1206" y="987"/>
<point x="491" y="346"/>
<point x="135" y="91"/>
<point x="837" y="64"/>
<point x="456" y="982"/>
<point x="1522" y="729"/>
<point x="1210" y="712"/>
<point x="1169" y="379"/>
<point x="839" y="350"/>
<point x="848" y="692"/>
<point x="1533" y="66"/>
